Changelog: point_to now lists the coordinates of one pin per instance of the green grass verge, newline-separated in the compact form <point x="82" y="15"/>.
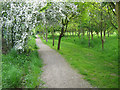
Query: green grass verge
<point x="22" y="70"/>
<point x="99" y="67"/>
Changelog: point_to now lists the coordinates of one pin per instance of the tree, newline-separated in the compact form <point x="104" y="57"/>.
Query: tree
<point x="18" y="21"/>
<point x="68" y="11"/>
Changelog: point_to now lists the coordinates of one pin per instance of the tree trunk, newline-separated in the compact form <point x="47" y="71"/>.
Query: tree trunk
<point x="43" y="34"/>
<point x="102" y="44"/>
<point x="67" y="33"/>
<point x="108" y="33"/>
<point x="66" y="29"/>
<point x="53" y="37"/>
<point x="118" y="8"/>
<point x="12" y="36"/>
<point x="97" y="34"/>
<point x="89" y="38"/>
<point x="89" y="35"/>
<point x="119" y="20"/>
<point x="92" y="34"/>
<point x="104" y="35"/>
<point x="101" y="33"/>
<point x="61" y="35"/>
<point x="46" y="34"/>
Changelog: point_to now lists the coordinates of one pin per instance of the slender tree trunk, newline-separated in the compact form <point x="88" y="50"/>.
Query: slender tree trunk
<point x="61" y="35"/>
<point x="119" y="38"/>
<point x="97" y="34"/>
<point x="70" y="32"/>
<point x="53" y="37"/>
<point x="104" y="35"/>
<point x="108" y="33"/>
<point x="46" y="34"/>
<point x="102" y="44"/>
<point x="101" y="33"/>
<point x="89" y="39"/>
<point x="89" y="35"/>
<point x="104" y="32"/>
<point x="67" y="33"/>
<point x="118" y="15"/>
<point x="12" y="36"/>
<point x="66" y="29"/>
<point x="43" y="34"/>
<point x="92" y="34"/>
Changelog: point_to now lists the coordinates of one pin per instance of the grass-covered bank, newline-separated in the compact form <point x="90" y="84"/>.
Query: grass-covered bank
<point x="22" y="70"/>
<point x="99" y="67"/>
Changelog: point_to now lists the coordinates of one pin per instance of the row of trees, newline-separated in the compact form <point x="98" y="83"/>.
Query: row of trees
<point x="19" y="18"/>
<point x="90" y="17"/>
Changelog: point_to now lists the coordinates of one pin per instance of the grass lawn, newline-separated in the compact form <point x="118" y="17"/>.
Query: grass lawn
<point x="98" y="67"/>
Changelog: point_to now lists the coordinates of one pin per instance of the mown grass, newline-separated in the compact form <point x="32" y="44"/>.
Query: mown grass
<point x="99" y="67"/>
<point x="22" y="70"/>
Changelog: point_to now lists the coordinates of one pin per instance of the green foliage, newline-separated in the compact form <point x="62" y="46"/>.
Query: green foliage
<point x="31" y="45"/>
<point x="12" y="75"/>
<point x="99" y="67"/>
<point x="21" y="70"/>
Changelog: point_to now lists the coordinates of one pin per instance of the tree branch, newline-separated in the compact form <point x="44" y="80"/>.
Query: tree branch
<point x="112" y="10"/>
<point x="114" y="26"/>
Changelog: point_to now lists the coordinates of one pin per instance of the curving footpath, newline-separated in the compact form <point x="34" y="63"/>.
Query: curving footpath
<point x="57" y="72"/>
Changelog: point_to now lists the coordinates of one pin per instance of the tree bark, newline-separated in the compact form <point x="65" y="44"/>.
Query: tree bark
<point x="12" y="36"/>
<point x="43" y="34"/>
<point x="97" y="34"/>
<point x="102" y="44"/>
<point x="89" y="38"/>
<point x="66" y="28"/>
<point x="53" y="37"/>
<point x="101" y="32"/>
<point x="118" y="15"/>
<point x="89" y="35"/>
<point x="67" y="33"/>
<point x="108" y="33"/>
<point x="104" y="35"/>
<point x="92" y="34"/>
<point x="46" y="34"/>
<point x="61" y="35"/>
